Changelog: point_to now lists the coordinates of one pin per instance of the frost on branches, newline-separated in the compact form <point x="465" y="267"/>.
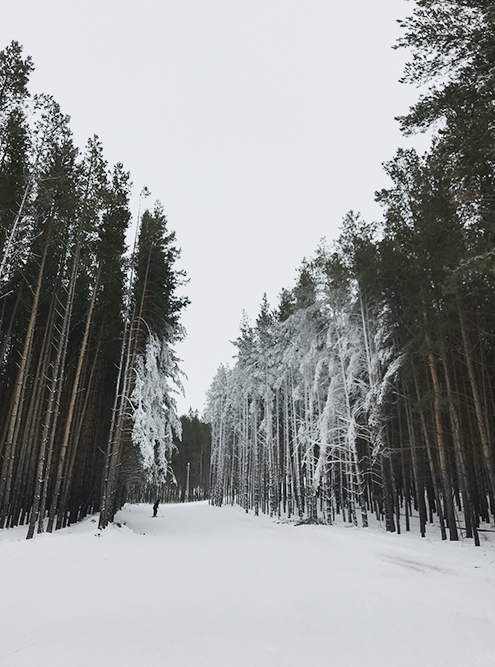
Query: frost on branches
<point x="298" y="425"/>
<point x="154" y="414"/>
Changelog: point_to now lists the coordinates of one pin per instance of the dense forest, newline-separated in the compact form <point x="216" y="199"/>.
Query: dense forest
<point x="191" y="459"/>
<point x="87" y="330"/>
<point x="369" y="389"/>
<point x="188" y="466"/>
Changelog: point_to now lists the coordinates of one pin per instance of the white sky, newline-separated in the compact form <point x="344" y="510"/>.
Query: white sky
<point x="257" y="123"/>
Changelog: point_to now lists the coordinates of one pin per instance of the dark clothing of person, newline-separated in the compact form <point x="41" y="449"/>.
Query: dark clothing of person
<point x="155" y="508"/>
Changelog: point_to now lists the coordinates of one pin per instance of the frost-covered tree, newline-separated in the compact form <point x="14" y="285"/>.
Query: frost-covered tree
<point x="372" y="385"/>
<point x="154" y="413"/>
<point x="152" y="328"/>
<point x="297" y="423"/>
<point x="76" y="315"/>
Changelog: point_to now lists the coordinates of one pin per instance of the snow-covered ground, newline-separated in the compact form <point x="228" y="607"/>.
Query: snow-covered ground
<point x="201" y="586"/>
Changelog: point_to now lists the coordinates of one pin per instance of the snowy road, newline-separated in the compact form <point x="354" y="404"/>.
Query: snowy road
<point x="207" y="587"/>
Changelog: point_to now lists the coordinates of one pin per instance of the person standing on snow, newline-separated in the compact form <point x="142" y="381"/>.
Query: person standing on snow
<point x="155" y="508"/>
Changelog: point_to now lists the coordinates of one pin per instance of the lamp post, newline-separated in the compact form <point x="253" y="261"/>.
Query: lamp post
<point x="187" y="483"/>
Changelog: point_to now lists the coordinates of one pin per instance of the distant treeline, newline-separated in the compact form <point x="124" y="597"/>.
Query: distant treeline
<point x="189" y="478"/>
<point x="370" y="388"/>
<point x="87" y="366"/>
<point x="193" y="450"/>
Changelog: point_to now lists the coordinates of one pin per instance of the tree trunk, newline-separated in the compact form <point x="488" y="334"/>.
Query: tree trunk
<point x="418" y="477"/>
<point x="55" y="392"/>
<point x="9" y="449"/>
<point x="471" y="530"/>
<point x="485" y="444"/>
<point x="441" y="442"/>
<point x="72" y="403"/>
<point x="432" y="462"/>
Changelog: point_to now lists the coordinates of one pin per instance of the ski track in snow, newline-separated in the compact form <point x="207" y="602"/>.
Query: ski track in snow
<point x="203" y="586"/>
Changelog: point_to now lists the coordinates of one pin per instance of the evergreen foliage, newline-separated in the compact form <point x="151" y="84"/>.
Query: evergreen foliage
<point x="193" y="451"/>
<point x="87" y="367"/>
<point x="370" y="388"/>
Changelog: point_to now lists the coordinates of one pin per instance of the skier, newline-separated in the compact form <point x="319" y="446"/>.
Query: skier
<point x="155" y="507"/>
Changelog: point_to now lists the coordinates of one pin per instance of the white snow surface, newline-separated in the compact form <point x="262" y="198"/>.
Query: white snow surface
<point x="216" y="587"/>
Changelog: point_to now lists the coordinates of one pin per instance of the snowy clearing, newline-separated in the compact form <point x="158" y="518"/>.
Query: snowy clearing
<point x="214" y="587"/>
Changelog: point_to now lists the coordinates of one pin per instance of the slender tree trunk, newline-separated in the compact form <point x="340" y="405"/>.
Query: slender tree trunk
<point x="441" y="442"/>
<point x="33" y="417"/>
<point x="351" y="442"/>
<point x="67" y="479"/>
<point x="6" y="336"/>
<point x="9" y="449"/>
<point x="388" y="494"/>
<point x="295" y="456"/>
<point x="17" y="219"/>
<point x="114" y="449"/>
<point x="55" y="392"/>
<point x="432" y="463"/>
<point x="72" y="403"/>
<point x="418" y="477"/>
<point x="471" y="530"/>
<point x="485" y="444"/>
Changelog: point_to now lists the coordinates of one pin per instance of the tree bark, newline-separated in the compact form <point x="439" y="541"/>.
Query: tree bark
<point x="9" y="449"/>
<point x="68" y="422"/>
<point x="485" y="444"/>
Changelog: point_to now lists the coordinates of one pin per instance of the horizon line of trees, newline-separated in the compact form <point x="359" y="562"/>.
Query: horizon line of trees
<point x="87" y="332"/>
<point x="369" y="389"/>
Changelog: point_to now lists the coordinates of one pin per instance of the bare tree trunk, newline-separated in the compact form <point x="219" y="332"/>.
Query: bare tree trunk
<point x="441" y="441"/>
<point x="28" y="439"/>
<point x="114" y="448"/>
<point x="17" y="219"/>
<point x="388" y="500"/>
<point x="9" y="449"/>
<point x="67" y="478"/>
<point x="471" y="530"/>
<point x="295" y="455"/>
<point x="55" y="392"/>
<point x="356" y="473"/>
<point x="6" y="337"/>
<point x="432" y="462"/>
<point x="72" y="402"/>
<point x="485" y="444"/>
<point x="418" y="477"/>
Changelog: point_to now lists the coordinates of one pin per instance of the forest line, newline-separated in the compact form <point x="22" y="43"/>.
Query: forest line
<point x="87" y="331"/>
<point x="367" y="390"/>
<point x="370" y="387"/>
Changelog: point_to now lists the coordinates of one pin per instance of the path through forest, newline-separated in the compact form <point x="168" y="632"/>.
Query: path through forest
<point x="201" y="586"/>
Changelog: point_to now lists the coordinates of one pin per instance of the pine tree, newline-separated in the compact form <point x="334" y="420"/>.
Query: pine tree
<point x="66" y="311"/>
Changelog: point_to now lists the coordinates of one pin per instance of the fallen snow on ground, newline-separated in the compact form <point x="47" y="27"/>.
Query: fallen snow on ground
<point x="201" y="586"/>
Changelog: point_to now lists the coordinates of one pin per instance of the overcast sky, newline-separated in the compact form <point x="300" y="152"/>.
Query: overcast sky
<point x="257" y="123"/>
